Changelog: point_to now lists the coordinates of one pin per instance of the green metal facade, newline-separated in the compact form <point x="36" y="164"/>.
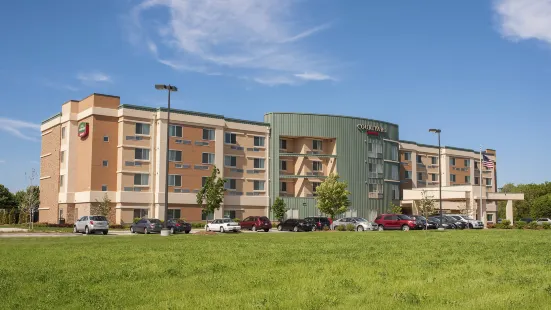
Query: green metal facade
<point x="352" y="158"/>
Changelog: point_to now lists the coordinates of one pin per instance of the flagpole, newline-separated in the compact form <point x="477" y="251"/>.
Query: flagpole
<point x="480" y="183"/>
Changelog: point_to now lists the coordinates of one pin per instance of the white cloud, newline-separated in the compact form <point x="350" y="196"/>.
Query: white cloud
<point x="313" y="76"/>
<point x="275" y="80"/>
<point x="21" y="129"/>
<point x="2" y="161"/>
<point x="236" y="37"/>
<point x="34" y="162"/>
<point x="94" y="77"/>
<point x="524" y="19"/>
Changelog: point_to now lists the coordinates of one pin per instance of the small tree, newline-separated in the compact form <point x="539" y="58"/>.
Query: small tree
<point x="103" y="207"/>
<point x="394" y="209"/>
<point x="7" y="199"/>
<point x="28" y="202"/>
<point x="426" y="205"/>
<point x="279" y="209"/>
<point x="332" y="196"/>
<point x="211" y="195"/>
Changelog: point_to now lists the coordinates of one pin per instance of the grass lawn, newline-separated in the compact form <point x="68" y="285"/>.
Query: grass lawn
<point x="492" y="269"/>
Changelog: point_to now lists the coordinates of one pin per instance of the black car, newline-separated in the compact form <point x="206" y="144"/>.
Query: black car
<point x="319" y="222"/>
<point x="177" y="226"/>
<point x="146" y="226"/>
<point x="446" y="223"/>
<point x="458" y="223"/>
<point x="296" y="225"/>
<point x="423" y="221"/>
<point x="526" y="219"/>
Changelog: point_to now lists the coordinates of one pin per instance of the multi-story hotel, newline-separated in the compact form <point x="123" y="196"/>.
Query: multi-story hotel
<point x="97" y="146"/>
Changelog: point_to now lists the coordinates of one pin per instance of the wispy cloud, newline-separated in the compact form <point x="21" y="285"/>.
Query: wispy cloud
<point x="2" y="161"/>
<point x="34" y="162"/>
<point x="313" y="76"/>
<point x="21" y="129"/>
<point x="94" y="77"/>
<point x="60" y="86"/>
<point x="236" y="37"/>
<point x="524" y="19"/>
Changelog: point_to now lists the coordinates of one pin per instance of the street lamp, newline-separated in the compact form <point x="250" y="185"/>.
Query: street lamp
<point x="170" y="89"/>
<point x="438" y="131"/>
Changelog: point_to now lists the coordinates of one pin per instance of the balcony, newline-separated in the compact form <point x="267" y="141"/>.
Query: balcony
<point x="376" y="175"/>
<point x="375" y="195"/>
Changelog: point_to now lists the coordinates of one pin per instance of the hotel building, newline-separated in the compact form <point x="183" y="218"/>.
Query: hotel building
<point x="97" y="147"/>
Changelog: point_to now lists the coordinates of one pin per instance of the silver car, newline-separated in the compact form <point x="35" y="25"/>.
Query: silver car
<point x="91" y="224"/>
<point x="542" y="220"/>
<point x="360" y="224"/>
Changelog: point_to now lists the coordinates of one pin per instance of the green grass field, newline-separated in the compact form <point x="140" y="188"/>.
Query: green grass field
<point x="325" y="270"/>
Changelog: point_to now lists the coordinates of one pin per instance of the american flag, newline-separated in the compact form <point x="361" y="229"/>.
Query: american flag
<point x="486" y="162"/>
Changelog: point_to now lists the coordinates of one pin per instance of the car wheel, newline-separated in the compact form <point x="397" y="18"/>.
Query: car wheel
<point x="145" y="231"/>
<point x="74" y="230"/>
<point x="132" y="230"/>
<point x="266" y="230"/>
<point x="381" y="228"/>
<point x="279" y="228"/>
<point x="314" y="228"/>
<point x="295" y="229"/>
<point x="405" y="228"/>
<point x="253" y="228"/>
<point x="173" y="231"/>
<point x="360" y="228"/>
<point x="105" y="232"/>
<point x="470" y="226"/>
<point x="221" y="229"/>
<point x="187" y="231"/>
<point x="86" y="230"/>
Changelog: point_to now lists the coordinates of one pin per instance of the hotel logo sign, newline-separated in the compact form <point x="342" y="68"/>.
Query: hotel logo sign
<point x="371" y="130"/>
<point x="83" y="130"/>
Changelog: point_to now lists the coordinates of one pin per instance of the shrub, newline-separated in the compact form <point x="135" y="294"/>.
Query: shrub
<point x="198" y="225"/>
<point x="546" y="226"/>
<point x="341" y="228"/>
<point x="326" y="228"/>
<point x="237" y="220"/>
<point x="532" y="225"/>
<point x="350" y="227"/>
<point x="491" y="225"/>
<point x="506" y="223"/>
<point x="135" y="220"/>
<point x="520" y="225"/>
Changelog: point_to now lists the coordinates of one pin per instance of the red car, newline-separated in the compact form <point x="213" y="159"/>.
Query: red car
<point x="397" y="221"/>
<point x="255" y="223"/>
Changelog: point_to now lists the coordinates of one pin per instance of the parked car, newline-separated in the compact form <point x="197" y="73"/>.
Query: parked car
<point x="91" y="224"/>
<point x="296" y="225"/>
<point x="446" y="223"/>
<point x="319" y="222"/>
<point x="396" y="221"/>
<point x="146" y="226"/>
<point x="469" y="221"/>
<point x="360" y="224"/>
<point x="255" y="223"/>
<point x="459" y="224"/>
<point x="176" y="226"/>
<point x="542" y="220"/>
<point x="526" y="219"/>
<point x="223" y="225"/>
<point x="427" y="224"/>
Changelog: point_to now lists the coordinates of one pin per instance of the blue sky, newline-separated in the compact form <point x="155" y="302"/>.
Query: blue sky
<point x="479" y="70"/>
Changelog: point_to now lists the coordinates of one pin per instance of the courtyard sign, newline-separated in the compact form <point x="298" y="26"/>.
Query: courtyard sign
<point x="371" y="129"/>
<point x="83" y="130"/>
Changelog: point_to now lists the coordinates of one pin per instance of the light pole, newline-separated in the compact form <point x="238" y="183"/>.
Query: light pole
<point x="170" y="89"/>
<point x="437" y="131"/>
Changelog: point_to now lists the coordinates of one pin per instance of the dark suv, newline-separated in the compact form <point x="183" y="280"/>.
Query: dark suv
<point x="176" y="225"/>
<point x="319" y="222"/>
<point x="255" y="223"/>
<point x="397" y="221"/>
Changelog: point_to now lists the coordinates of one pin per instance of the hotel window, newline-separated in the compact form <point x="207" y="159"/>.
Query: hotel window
<point x="452" y="161"/>
<point x="395" y="189"/>
<point x="174" y="155"/>
<point x="434" y="177"/>
<point x="317" y="166"/>
<point x="315" y="187"/>
<point x="141" y="179"/>
<point x="62" y="132"/>
<point x="104" y="188"/>
<point x="282" y="165"/>
<point x="408" y="174"/>
<point x="419" y="161"/>
<point x="207" y="217"/>
<point x="316" y="145"/>
<point x="395" y="173"/>
<point x="452" y="177"/>
<point x="258" y="185"/>
<point x="229" y="214"/>
<point x="230" y="138"/>
<point x="489" y="182"/>
<point x="283" y="187"/>
<point x="208" y="134"/>
<point x="142" y="129"/>
<point x="230" y="161"/>
<point x="230" y="184"/>
<point x="105" y="163"/>
<point x="140" y="213"/>
<point x="258" y="141"/>
<point x="434" y="160"/>
<point x="393" y="151"/>
<point x="175" y="131"/>
<point x="174" y="180"/>
<point x="489" y="217"/>
<point x="476" y="181"/>
<point x="174" y="213"/>
<point x="142" y="154"/>
<point x="467" y="163"/>
<point x="376" y="188"/>
<point x="407" y="156"/>
<point x="208" y="158"/>
<point x="467" y="179"/>
<point x="282" y="144"/>
<point x="62" y="156"/>
<point x="258" y="163"/>
<point x="419" y="176"/>
<point x="105" y="138"/>
<point x="61" y="180"/>
<point x="204" y="181"/>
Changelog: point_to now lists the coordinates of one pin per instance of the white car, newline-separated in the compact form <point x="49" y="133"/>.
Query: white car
<point x="223" y="225"/>
<point x="360" y="224"/>
<point x="472" y="223"/>
<point x="542" y="220"/>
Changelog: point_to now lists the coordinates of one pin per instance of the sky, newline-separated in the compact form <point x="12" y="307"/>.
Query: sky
<point x="478" y="70"/>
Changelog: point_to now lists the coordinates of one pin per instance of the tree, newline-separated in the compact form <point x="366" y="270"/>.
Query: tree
<point x="27" y="202"/>
<point x="426" y="204"/>
<point x="102" y="207"/>
<point x="211" y="195"/>
<point x="7" y="199"/>
<point x="394" y="209"/>
<point x="279" y="209"/>
<point x="332" y="196"/>
<point x="541" y="207"/>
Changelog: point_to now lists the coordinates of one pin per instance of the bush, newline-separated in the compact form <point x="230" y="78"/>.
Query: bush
<point x="520" y="225"/>
<point x="491" y="225"/>
<point x="198" y="225"/>
<point x="326" y="228"/>
<point x="546" y="226"/>
<point x="341" y="228"/>
<point x="350" y="227"/>
<point x="237" y="220"/>
<point x="532" y="225"/>
<point x="135" y="220"/>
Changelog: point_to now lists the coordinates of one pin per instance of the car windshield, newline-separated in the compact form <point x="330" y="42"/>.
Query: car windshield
<point x="467" y="218"/>
<point x="435" y="219"/>
<point x="155" y="221"/>
<point x="226" y="220"/>
<point x="422" y="218"/>
<point x="456" y="217"/>
<point x="263" y="218"/>
<point x="98" y="218"/>
<point x="360" y="219"/>
<point x="403" y="217"/>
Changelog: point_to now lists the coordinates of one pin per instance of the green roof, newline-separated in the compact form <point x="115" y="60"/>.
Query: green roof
<point x="51" y="118"/>
<point x="333" y="115"/>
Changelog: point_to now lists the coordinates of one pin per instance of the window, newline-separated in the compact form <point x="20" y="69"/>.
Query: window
<point x="104" y="188"/>
<point x="105" y="138"/>
<point x="283" y="187"/>
<point x="407" y="174"/>
<point x="141" y="179"/>
<point x="259" y="163"/>
<point x="62" y="132"/>
<point x="207" y="217"/>
<point x="419" y="159"/>
<point x="282" y="165"/>
<point x="395" y="190"/>
<point x="142" y="154"/>
<point x="204" y="181"/>
<point x="174" y="155"/>
<point x="61" y="180"/>
<point x="142" y="129"/>
<point x="395" y="172"/>
<point x="317" y="166"/>
<point x="174" y="214"/>
<point x="467" y="163"/>
<point x="208" y="158"/>
<point x="393" y="151"/>
<point x="452" y="161"/>
<point x="452" y="177"/>
<point x="105" y="163"/>
<point x="258" y="185"/>
<point x="407" y="156"/>
<point x="476" y="165"/>
<point x="283" y="144"/>
<point x="208" y="134"/>
<point x="139" y="213"/>
<point x="419" y="176"/>
<point x="230" y="138"/>
<point x="230" y="214"/>
<point x="433" y="177"/>
<point x="489" y="217"/>
<point x="434" y="160"/>
<point x="230" y="184"/>
<point x="175" y="131"/>
<point x="62" y="156"/>
<point x="230" y="161"/>
<point x="258" y="141"/>
<point x="174" y="180"/>
<point x="467" y="179"/>
<point x="488" y="181"/>
<point x="315" y="187"/>
<point x="316" y="145"/>
<point x="476" y="181"/>
<point x="376" y="188"/>
<point x="370" y="147"/>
